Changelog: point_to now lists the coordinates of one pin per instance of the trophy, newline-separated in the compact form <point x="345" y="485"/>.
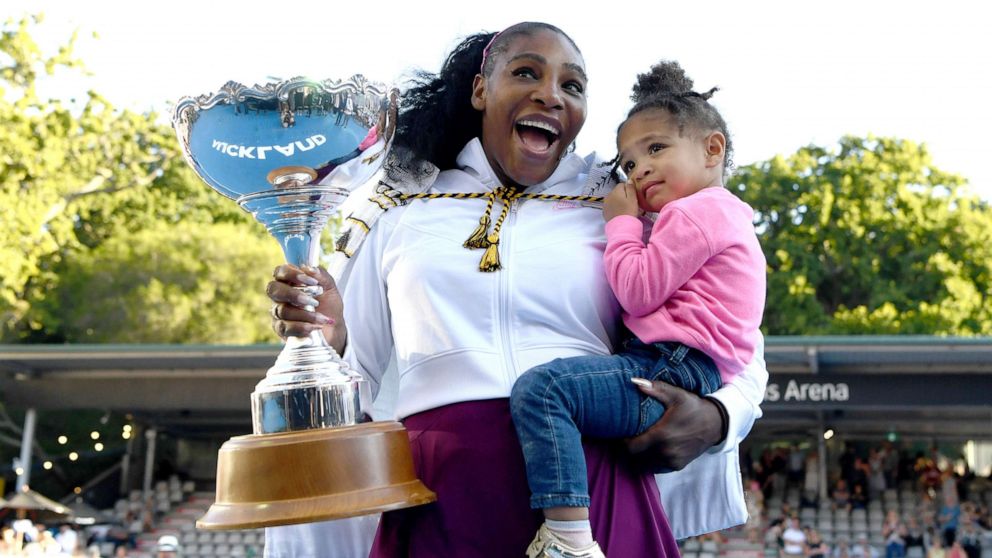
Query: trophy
<point x="289" y="153"/>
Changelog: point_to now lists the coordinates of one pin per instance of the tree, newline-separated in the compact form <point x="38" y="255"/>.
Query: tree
<point x="75" y="176"/>
<point x="144" y="287"/>
<point x="870" y="238"/>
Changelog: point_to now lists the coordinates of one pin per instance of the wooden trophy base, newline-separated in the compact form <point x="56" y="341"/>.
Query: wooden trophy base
<point x="265" y="480"/>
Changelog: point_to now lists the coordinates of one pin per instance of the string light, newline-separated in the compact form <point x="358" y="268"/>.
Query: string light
<point x="98" y="446"/>
<point x="126" y="435"/>
<point x="95" y="435"/>
<point x="127" y="428"/>
<point x="63" y="440"/>
<point x="73" y="456"/>
<point x="77" y="490"/>
<point x="47" y="465"/>
<point x="19" y="471"/>
<point x="828" y="434"/>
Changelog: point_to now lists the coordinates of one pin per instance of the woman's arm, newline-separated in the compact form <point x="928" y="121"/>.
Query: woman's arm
<point x="692" y="424"/>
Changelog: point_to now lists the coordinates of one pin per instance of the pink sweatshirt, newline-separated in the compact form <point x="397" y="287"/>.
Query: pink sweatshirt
<point x="700" y="280"/>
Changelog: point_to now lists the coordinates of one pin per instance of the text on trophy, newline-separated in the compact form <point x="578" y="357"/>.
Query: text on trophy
<point x="259" y="151"/>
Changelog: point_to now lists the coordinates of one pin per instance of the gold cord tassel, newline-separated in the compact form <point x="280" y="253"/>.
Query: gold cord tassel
<point x="478" y="238"/>
<point x="490" y="260"/>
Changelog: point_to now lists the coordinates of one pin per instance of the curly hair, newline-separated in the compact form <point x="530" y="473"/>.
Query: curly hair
<point x="436" y="117"/>
<point x="667" y="87"/>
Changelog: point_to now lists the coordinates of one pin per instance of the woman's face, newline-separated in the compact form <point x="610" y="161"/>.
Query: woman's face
<point x="533" y="106"/>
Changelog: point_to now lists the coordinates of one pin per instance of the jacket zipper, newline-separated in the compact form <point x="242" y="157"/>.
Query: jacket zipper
<point x="510" y="366"/>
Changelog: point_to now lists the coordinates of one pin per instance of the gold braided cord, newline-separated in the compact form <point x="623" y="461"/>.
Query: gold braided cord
<point x="480" y="238"/>
<point x="478" y="195"/>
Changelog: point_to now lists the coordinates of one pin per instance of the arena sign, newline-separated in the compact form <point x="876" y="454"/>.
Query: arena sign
<point x="807" y="391"/>
<point x="832" y="391"/>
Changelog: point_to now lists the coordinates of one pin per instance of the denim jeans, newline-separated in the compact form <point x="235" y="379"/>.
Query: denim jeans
<point x="555" y="404"/>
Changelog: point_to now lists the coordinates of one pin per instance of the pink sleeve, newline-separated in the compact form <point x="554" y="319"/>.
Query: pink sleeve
<point x="644" y="277"/>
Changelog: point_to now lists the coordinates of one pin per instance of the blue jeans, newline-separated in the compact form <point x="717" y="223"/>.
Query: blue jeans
<point x="555" y="404"/>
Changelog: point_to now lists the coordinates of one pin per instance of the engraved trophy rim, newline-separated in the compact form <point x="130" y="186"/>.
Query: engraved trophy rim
<point x="309" y="386"/>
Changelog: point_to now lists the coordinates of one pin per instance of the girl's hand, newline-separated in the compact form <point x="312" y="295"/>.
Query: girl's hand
<point x="289" y="314"/>
<point x="622" y="200"/>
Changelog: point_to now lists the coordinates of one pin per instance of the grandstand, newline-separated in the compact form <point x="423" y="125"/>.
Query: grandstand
<point x="921" y="391"/>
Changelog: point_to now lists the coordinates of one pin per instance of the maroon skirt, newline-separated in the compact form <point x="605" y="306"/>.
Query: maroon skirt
<point x="469" y="455"/>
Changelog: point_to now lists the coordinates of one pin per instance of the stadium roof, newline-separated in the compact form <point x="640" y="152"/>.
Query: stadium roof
<point x="925" y="383"/>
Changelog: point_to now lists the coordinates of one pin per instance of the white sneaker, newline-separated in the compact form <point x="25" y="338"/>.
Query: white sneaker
<point x="547" y="545"/>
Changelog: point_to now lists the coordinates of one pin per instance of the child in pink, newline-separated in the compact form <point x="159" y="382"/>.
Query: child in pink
<point x="692" y="295"/>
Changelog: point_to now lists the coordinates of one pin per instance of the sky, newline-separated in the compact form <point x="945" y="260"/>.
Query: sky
<point x="791" y="73"/>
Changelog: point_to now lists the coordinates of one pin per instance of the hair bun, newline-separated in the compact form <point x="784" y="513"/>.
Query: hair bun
<point x="665" y="78"/>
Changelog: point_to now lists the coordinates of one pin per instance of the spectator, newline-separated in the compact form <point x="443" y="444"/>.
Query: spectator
<point x="970" y="538"/>
<point x="795" y="466"/>
<point x="8" y="542"/>
<point x="841" y="496"/>
<point x="842" y="549"/>
<point x="863" y="549"/>
<point x="915" y="547"/>
<point x="950" y="513"/>
<point x="793" y="539"/>
<point x="754" y="500"/>
<point x="68" y="539"/>
<point x="859" y="475"/>
<point x="956" y="551"/>
<point x="936" y="549"/>
<point x="876" y="474"/>
<point x="168" y="547"/>
<point x="859" y="500"/>
<point x="890" y="465"/>
<point x="815" y="547"/>
<point x="894" y="533"/>
<point x="811" y="479"/>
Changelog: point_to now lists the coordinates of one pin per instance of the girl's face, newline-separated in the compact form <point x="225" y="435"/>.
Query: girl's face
<point x="533" y="106"/>
<point x="663" y="164"/>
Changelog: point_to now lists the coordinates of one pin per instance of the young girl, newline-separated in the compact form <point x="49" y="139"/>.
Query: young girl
<point x="693" y="296"/>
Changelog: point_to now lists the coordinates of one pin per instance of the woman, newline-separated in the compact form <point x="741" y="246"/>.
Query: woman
<point x="498" y="122"/>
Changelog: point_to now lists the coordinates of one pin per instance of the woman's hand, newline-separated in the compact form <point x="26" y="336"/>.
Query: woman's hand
<point x="289" y="314"/>
<point x="622" y="200"/>
<point x="691" y="425"/>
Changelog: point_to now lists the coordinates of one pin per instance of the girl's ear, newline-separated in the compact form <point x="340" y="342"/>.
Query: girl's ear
<point x="715" y="145"/>
<point x="479" y="92"/>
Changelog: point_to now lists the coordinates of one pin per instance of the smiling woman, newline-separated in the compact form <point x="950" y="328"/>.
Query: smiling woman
<point x="490" y="135"/>
<point x="531" y="94"/>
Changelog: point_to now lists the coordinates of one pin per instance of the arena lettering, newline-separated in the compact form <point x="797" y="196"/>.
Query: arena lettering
<point x="259" y="151"/>
<point x="808" y="391"/>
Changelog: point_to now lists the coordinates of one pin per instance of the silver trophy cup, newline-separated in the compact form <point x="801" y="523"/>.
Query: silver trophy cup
<point x="289" y="153"/>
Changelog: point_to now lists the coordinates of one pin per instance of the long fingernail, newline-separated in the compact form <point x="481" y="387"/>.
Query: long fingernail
<point x="640" y="382"/>
<point x="308" y="301"/>
<point x="306" y="279"/>
<point x="322" y="319"/>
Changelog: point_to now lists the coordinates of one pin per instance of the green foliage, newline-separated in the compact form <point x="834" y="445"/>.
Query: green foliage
<point x="76" y="176"/>
<point x="147" y="288"/>
<point x="870" y="238"/>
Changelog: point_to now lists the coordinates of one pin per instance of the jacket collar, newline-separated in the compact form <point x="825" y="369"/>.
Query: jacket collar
<point x="473" y="161"/>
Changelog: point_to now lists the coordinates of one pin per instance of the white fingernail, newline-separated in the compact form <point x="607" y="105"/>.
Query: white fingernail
<point x="641" y="382"/>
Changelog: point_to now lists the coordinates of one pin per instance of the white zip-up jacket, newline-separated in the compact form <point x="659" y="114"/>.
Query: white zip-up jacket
<point x="413" y="293"/>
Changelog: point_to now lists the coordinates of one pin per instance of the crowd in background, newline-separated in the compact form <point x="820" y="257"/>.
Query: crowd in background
<point x="882" y="501"/>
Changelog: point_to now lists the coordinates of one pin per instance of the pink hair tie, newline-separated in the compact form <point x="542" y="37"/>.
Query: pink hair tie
<point x="370" y="139"/>
<point x="485" y="53"/>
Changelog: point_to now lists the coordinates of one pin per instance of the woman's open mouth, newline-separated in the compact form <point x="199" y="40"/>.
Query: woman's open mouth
<point x="537" y="135"/>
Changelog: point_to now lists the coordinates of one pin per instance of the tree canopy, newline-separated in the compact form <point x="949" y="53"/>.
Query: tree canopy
<point x="109" y="236"/>
<point x="88" y="191"/>
<point x="870" y="238"/>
